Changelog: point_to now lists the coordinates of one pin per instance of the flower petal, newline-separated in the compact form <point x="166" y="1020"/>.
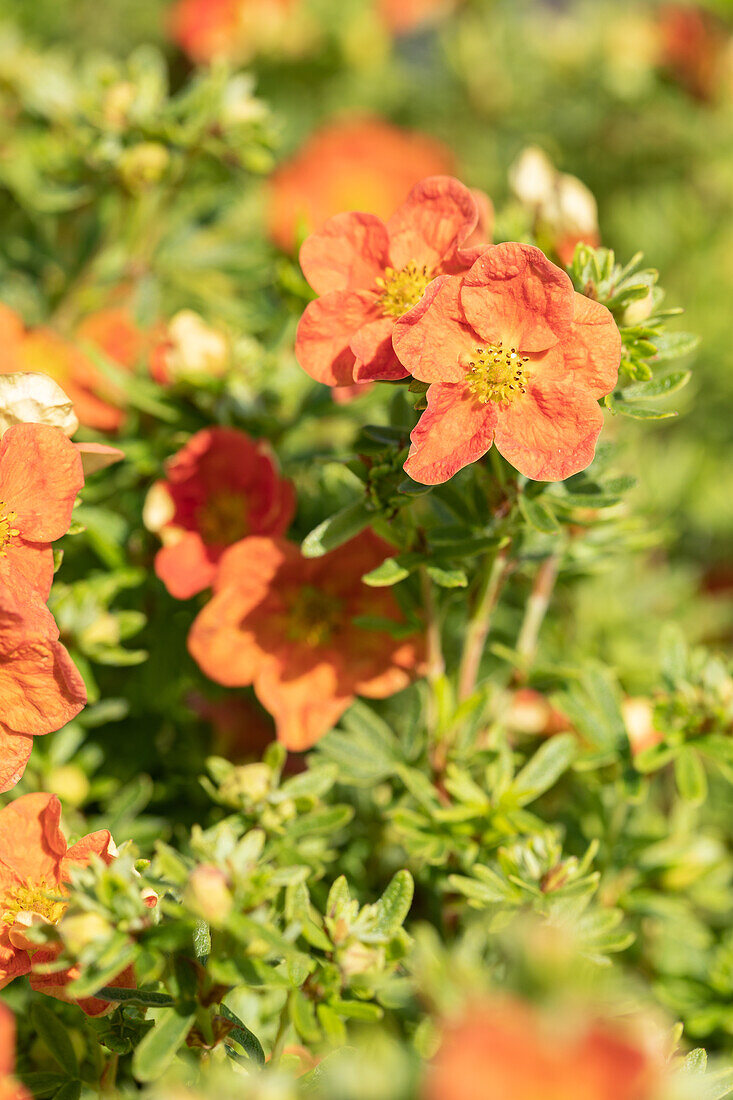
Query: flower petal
<point x="98" y="844"/>
<point x="31" y="842"/>
<point x="28" y="564"/>
<point x="325" y="332"/>
<point x="454" y="430"/>
<point x="437" y="216"/>
<point x="375" y="357"/>
<point x="305" y="706"/>
<point x="551" y="431"/>
<point x="348" y="253"/>
<point x="186" y="567"/>
<point x="40" y="476"/>
<point x="592" y="350"/>
<point x="15" y="750"/>
<point x="433" y="340"/>
<point x="515" y="294"/>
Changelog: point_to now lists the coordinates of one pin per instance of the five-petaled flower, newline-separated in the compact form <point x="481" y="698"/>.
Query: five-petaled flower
<point x="507" y="1043"/>
<point x="514" y="357"/>
<point x="290" y="626"/>
<point x="370" y="274"/>
<point x="40" y="687"/>
<point x="40" y="476"/>
<point x="35" y="866"/>
<point x="221" y="487"/>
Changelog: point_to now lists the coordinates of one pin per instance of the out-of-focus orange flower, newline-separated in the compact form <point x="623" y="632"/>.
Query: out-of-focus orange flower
<point x="369" y="274"/>
<point x="403" y="16"/>
<point x="564" y="210"/>
<point x="692" y="44"/>
<point x="286" y="624"/>
<point x="9" y="1087"/>
<point x="515" y="358"/>
<point x="235" y="29"/>
<point x="221" y="487"/>
<point x="359" y="163"/>
<point x="96" y="400"/>
<point x="503" y="1050"/>
<point x="40" y="687"/>
<point x="35" y="865"/>
<point x="40" y="476"/>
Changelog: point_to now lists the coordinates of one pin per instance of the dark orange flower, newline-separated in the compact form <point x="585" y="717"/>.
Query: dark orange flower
<point x="354" y="164"/>
<point x="9" y="1087"/>
<point x="241" y="728"/>
<point x="221" y="487"/>
<point x="114" y="332"/>
<point x="40" y="688"/>
<point x="502" y="1049"/>
<point x="235" y="29"/>
<point x="692" y="47"/>
<point x="515" y="358"/>
<point x="44" y="351"/>
<point x="403" y="16"/>
<point x="35" y="865"/>
<point x="285" y="624"/>
<point x="40" y="476"/>
<point x="369" y="274"/>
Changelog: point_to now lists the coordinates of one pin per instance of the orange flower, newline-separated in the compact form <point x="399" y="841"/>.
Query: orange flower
<point x="503" y="1050"/>
<point x="692" y="48"/>
<point x="221" y="487"/>
<point x="354" y="164"/>
<point x="9" y="1087"/>
<point x="285" y="623"/>
<point x="40" y="476"/>
<point x="35" y="865"/>
<point x="40" y="688"/>
<point x="370" y="274"/>
<point x="514" y="357"/>
<point x="114" y="331"/>
<point x="236" y="29"/>
<point x="403" y="16"/>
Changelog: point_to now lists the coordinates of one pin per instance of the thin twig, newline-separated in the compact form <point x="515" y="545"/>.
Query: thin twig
<point x="535" y="611"/>
<point x="480" y="623"/>
<point x="435" y="662"/>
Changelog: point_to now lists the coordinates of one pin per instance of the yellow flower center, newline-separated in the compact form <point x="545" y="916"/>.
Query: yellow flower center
<point x="497" y="374"/>
<point x="314" y="616"/>
<point x="223" y="519"/>
<point x="7" y="530"/>
<point x="40" y="898"/>
<point x="401" y="290"/>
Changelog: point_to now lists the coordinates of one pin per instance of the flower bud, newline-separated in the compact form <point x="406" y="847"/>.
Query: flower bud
<point x="32" y="398"/>
<point x="81" y="929"/>
<point x="70" y="783"/>
<point x="207" y="893"/>
<point x="250" y="782"/>
<point x="143" y="165"/>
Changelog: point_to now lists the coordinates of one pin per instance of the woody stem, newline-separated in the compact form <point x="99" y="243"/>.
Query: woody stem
<point x="535" y="612"/>
<point x="480" y="623"/>
<point x="435" y="662"/>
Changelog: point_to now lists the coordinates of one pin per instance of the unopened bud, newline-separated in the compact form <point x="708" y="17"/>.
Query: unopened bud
<point x="250" y="781"/>
<point x="143" y="165"/>
<point x="81" y="929"/>
<point x="70" y="783"/>
<point x="359" y="959"/>
<point x="208" y="895"/>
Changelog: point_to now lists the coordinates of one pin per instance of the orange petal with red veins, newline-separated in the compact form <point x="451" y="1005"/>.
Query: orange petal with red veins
<point x="515" y="294"/>
<point x="592" y="350"/>
<point x="433" y="340"/>
<point x="31" y="842"/>
<point x="40" y="686"/>
<point x="348" y="253"/>
<point x="13" y="963"/>
<point x="437" y="216"/>
<point x="15" y="749"/>
<point x="325" y="332"/>
<point x="454" y="431"/>
<point x="375" y="357"/>
<point x="550" y="432"/>
<point x="29" y="564"/>
<point x="305" y="706"/>
<point x="99" y="843"/>
<point x="186" y="567"/>
<point x="40" y="476"/>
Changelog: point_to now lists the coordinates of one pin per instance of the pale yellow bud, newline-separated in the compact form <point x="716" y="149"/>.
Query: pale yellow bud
<point x="207" y="893"/>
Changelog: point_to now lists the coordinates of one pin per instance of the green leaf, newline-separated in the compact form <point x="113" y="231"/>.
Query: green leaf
<point x="673" y="345"/>
<point x="390" y="572"/>
<point x="640" y="412"/>
<point x="545" y="768"/>
<point x="69" y="1091"/>
<point x="42" y="1084"/>
<point x="337" y="529"/>
<point x="241" y="1034"/>
<point x="158" y="1048"/>
<point x="135" y="996"/>
<point x="447" y="578"/>
<point x="357" y="1010"/>
<point x="394" y="905"/>
<point x="658" y="387"/>
<point x="538" y="515"/>
<point x="690" y="776"/>
<point x="55" y="1038"/>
